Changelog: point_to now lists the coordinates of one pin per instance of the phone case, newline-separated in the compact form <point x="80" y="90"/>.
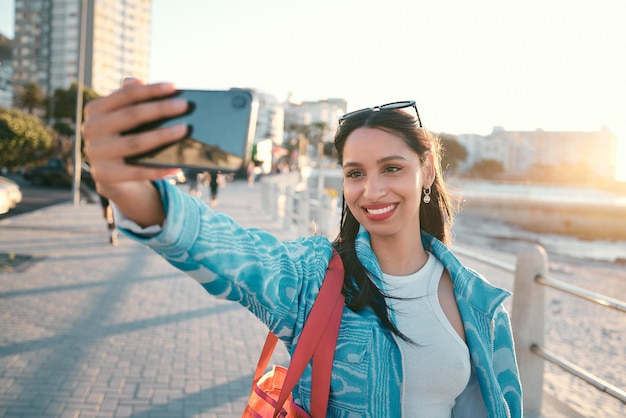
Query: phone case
<point x="221" y="128"/>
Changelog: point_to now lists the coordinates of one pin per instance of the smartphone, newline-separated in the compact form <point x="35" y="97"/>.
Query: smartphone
<point x="220" y="132"/>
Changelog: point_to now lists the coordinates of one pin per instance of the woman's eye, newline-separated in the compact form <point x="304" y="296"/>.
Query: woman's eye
<point x="353" y="174"/>
<point x="392" y="169"/>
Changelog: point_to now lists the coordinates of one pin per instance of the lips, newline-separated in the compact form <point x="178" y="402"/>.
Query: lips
<point x="380" y="212"/>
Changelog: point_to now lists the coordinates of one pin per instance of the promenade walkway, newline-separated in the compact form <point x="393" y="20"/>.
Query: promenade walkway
<point x="92" y="330"/>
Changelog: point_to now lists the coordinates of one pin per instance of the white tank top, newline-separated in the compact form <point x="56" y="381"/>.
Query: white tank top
<point x="438" y="369"/>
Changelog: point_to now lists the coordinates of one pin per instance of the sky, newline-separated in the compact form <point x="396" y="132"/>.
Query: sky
<point x="470" y="65"/>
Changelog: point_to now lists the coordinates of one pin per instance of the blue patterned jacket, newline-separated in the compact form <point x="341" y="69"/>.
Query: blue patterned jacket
<point x="278" y="282"/>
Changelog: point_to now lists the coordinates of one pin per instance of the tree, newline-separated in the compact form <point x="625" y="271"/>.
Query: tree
<point x="487" y="169"/>
<point x="313" y="134"/>
<point x="63" y="104"/>
<point x="316" y="132"/>
<point x="61" y="107"/>
<point x="24" y="139"/>
<point x="453" y="152"/>
<point x="29" y="97"/>
<point x="330" y="150"/>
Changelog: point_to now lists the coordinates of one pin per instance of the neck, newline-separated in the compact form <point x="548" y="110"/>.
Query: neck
<point x="399" y="257"/>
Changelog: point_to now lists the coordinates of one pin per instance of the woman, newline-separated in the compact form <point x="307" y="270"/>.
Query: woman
<point x="421" y="335"/>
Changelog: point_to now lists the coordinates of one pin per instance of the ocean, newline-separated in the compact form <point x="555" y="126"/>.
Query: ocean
<point x="613" y="251"/>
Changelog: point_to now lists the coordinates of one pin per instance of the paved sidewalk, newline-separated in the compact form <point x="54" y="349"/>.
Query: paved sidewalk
<point x="91" y="330"/>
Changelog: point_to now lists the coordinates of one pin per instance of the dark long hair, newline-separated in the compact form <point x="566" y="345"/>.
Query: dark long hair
<point x="435" y="217"/>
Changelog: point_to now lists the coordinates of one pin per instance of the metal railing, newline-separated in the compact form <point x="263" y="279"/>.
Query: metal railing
<point x="289" y="200"/>
<point x="528" y="320"/>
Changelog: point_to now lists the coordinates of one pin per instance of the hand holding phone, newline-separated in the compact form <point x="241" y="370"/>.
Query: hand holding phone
<point x="221" y="127"/>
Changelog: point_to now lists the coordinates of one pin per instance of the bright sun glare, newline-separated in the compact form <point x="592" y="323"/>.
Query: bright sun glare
<point x="620" y="163"/>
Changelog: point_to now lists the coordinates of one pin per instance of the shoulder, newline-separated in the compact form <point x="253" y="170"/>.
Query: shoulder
<point x="468" y="284"/>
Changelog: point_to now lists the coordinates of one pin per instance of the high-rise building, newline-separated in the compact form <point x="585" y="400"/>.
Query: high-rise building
<point x="46" y="46"/>
<point x="6" y="72"/>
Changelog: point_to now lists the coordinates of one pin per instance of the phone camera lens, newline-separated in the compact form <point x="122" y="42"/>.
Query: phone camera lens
<point x="239" y="101"/>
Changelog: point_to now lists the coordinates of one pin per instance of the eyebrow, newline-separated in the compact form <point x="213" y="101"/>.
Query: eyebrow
<point x="380" y="161"/>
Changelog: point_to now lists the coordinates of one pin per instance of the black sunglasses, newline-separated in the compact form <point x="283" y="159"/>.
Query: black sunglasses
<point x="388" y="106"/>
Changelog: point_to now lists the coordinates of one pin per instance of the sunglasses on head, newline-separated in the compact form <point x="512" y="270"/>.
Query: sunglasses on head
<point x="388" y="106"/>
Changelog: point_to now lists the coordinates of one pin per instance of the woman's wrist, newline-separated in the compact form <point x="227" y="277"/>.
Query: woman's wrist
<point x="139" y="201"/>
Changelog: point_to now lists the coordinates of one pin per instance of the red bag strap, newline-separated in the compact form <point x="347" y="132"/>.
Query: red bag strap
<point x="320" y="330"/>
<point x="264" y="359"/>
<point x="324" y="320"/>
<point x="323" y="363"/>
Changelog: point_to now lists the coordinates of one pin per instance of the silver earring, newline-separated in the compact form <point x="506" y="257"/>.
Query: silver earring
<point x="427" y="195"/>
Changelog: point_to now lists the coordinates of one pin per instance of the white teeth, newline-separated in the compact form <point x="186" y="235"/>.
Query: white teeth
<point x="380" y="211"/>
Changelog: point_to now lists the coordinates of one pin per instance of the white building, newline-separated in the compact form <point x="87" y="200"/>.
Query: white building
<point x="270" y="119"/>
<point x="473" y="144"/>
<point x="269" y="129"/>
<point x="523" y="151"/>
<point x="310" y="112"/>
<point x="324" y="113"/>
<point x="47" y="42"/>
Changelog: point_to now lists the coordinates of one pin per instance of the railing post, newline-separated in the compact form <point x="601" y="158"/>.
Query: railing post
<point x="326" y="215"/>
<point x="289" y="208"/>
<point x="281" y="203"/>
<point x="265" y="185"/>
<point x="274" y="196"/>
<point x="303" y="217"/>
<point x="528" y="323"/>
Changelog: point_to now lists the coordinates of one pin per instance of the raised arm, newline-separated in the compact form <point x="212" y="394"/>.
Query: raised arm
<point x="129" y="186"/>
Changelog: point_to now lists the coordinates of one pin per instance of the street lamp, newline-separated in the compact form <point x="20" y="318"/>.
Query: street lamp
<point x="79" y="104"/>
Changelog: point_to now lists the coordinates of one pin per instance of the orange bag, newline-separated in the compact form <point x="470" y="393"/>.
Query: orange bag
<point x="271" y="392"/>
<point x="263" y="398"/>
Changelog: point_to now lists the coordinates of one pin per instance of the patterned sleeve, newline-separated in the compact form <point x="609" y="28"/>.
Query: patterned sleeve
<point x="276" y="280"/>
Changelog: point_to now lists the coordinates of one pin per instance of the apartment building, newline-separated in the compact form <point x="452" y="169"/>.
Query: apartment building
<point x="6" y="72"/>
<point x="522" y="151"/>
<point x="325" y="111"/>
<point x="269" y="130"/>
<point x="47" y="43"/>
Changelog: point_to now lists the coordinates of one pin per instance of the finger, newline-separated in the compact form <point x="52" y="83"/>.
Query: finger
<point x="111" y="173"/>
<point x="124" y="119"/>
<point x="130" y="80"/>
<point x="126" y="96"/>
<point x="120" y="146"/>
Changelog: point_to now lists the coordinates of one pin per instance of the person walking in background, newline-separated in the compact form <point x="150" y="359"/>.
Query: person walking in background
<point x="89" y="185"/>
<point x="192" y="179"/>
<point x="214" y="186"/>
<point x="251" y="175"/>
<point x="107" y="213"/>
<point x="421" y="334"/>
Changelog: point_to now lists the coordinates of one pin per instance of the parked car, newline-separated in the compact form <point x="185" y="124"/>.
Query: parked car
<point x="10" y="194"/>
<point x="54" y="173"/>
<point x="4" y="201"/>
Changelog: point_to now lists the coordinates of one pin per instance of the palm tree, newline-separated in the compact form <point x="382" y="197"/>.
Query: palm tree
<point x="29" y="97"/>
<point x="312" y="133"/>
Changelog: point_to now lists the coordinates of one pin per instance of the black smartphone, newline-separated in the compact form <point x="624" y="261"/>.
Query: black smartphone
<point x="220" y="132"/>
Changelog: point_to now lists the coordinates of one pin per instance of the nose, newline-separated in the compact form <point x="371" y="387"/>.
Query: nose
<point x="374" y="188"/>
